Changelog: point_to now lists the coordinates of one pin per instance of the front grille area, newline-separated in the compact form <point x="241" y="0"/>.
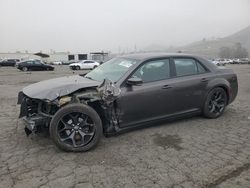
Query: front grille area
<point x="31" y="107"/>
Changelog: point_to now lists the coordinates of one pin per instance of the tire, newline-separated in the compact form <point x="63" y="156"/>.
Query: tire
<point x="94" y="67"/>
<point x="77" y="68"/>
<point x="215" y="104"/>
<point x="25" y="69"/>
<point x="67" y="117"/>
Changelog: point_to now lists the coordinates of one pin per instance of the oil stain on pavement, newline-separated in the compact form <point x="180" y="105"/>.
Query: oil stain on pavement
<point x="168" y="141"/>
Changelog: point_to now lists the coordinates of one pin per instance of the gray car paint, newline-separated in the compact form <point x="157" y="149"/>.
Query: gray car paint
<point x="139" y="104"/>
<point x="54" y="88"/>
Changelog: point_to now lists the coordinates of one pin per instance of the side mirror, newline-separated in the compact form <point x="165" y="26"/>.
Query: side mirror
<point x="134" y="81"/>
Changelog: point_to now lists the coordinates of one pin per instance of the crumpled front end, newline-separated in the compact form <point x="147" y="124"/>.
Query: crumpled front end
<point x="35" y="113"/>
<point x="108" y="91"/>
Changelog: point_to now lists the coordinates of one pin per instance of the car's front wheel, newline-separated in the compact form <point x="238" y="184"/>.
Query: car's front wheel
<point x="77" y="68"/>
<point x="215" y="103"/>
<point x="76" y="127"/>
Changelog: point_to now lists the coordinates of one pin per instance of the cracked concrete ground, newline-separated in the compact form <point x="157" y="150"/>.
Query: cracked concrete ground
<point x="194" y="152"/>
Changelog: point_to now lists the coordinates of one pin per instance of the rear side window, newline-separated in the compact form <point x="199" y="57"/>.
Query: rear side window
<point x="200" y="68"/>
<point x="188" y="66"/>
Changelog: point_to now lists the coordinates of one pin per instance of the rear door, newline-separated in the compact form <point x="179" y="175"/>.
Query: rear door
<point x="189" y="83"/>
<point x="38" y="66"/>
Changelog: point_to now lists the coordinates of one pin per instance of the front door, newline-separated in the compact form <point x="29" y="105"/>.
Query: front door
<point x="151" y="100"/>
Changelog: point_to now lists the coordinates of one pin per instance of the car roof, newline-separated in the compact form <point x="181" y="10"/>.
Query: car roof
<point x="152" y="55"/>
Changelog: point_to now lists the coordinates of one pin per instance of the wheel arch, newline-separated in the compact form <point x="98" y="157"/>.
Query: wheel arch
<point x="222" y="83"/>
<point x="226" y="89"/>
<point x="90" y="97"/>
<point x="96" y="105"/>
<point x="80" y="107"/>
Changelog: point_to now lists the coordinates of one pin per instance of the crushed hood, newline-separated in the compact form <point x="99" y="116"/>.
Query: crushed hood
<point x="53" y="88"/>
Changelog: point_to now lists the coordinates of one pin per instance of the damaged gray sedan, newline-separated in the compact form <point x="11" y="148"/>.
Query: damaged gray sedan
<point x="124" y="93"/>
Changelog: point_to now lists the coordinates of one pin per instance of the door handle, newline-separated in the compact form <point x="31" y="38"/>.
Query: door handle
<point x="204" y="80"/>
<point x="166" y="87"/>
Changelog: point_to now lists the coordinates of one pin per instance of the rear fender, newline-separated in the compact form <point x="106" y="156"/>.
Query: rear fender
<point x="219" y="82"/>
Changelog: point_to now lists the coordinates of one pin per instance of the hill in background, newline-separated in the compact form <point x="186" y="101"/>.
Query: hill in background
<point x="210" y="48"/>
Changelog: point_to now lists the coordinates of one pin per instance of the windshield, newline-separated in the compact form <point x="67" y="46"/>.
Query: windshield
<point x="113" y="69"/>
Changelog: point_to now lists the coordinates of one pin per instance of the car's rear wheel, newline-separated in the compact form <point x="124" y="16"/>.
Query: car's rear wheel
<point x="215" y="103"/>
<point x="76" y="127"/>
<point x="24" y="69"/>
<point x="77" y="68"/>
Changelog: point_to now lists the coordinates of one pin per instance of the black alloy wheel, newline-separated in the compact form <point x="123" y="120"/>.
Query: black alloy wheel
<point x="216" y="103"/>
<point x="76" y="127"/>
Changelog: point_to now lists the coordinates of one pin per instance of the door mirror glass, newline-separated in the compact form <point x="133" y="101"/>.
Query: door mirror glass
<point x="134" y="81"/>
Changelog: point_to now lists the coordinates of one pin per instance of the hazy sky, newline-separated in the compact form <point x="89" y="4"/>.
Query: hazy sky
<point x="83" y="26"/>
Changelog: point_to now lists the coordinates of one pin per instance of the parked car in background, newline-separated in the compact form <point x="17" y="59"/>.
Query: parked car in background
<point x="230" y="61"/>
<point x="69" y="62"/>
<point x="216" y="62"/>
<point x="57" y="63"/>
<point x="9" y="62"/>
<point x="236" y="61"/>
<point x="84" y="64"/>
<point x="124" y="93"/>
<point x="244" y="61"/>
<point x="223" y="62"/>
<point x="34" y="65"/>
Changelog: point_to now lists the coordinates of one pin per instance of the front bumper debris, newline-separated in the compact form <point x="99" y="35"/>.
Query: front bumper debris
<point x="35" y="123"/>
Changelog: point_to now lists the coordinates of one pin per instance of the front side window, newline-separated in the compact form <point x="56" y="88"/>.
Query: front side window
<point x="187" y="66"/>
<point x="153" y="71"/>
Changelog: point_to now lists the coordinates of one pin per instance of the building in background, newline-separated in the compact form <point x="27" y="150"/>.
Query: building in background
<point x="57" y="56"/>
<point x="100" y="57"/>
<point x="19" y="55"/>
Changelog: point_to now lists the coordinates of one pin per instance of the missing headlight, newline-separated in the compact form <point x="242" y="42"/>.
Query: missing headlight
<point x="64" y="100"/>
